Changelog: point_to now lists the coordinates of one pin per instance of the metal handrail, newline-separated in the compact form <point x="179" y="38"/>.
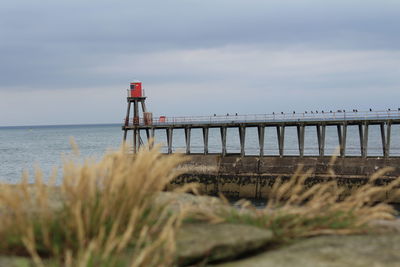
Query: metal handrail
<point x="305" y="116"/>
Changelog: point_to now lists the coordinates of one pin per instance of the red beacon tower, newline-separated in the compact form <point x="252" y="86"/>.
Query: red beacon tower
<point x="136" y="96"/>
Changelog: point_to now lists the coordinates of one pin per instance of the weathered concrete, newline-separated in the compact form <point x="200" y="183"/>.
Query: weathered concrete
<point x="253" y="177"/>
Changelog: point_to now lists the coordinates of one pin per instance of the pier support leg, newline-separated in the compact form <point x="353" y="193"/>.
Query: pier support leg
<point x="152" y="136"/>
<point x="169" y="140"/>
<point x="261" y="131"/>
<point x="223" y="140"/>
<point x="205" y="140"/>
<point x="321" y="129"/>
<point x="361" y="135"/>
<point x="125" y="134"/>
<point x="187" y="139"/>
<point x="388" y="136"/>
<point x="144" y="110"/>
<point x="383" y="138"/>
<point x="140" y="143"/>
<point x="300" y="139"/>
<point x="127" y="120"/>
<point x="280" y="130"/>
<point x="344" y="140"/>
<point x="136" y="134"/>
<point x="386" y="139"/>
<point x="135" y="112"/>
<point x="242" y="137"/>
<point x="143" y="105"/>
<point x="342" y="133"/>
<point x="363" y="131"/>
<point x="135" y="140"/>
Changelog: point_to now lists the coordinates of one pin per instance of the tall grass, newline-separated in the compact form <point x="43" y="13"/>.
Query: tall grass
<point x="103" y="213"/>
<point x="295" y="210"/>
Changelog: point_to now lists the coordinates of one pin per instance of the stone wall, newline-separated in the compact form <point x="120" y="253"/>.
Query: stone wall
<point x="252" y="177"/>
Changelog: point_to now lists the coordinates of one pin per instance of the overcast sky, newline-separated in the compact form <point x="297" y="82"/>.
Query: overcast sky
<point x="70" y="62"/>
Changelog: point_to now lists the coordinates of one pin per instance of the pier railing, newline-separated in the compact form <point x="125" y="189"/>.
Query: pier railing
<point x="279" y="117"/>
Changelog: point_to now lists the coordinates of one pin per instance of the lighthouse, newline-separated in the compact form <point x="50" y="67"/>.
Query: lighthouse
<point x="136" y="97"/>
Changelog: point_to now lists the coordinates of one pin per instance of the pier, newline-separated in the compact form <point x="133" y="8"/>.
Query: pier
<point x="341" y="120"/>
<point x="318" y="120"/>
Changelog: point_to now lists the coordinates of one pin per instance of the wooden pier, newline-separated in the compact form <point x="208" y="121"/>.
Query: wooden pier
<point x="317" y="120"/>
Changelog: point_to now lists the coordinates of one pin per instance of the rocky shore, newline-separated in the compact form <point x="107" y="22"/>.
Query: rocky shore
<point x="234" y="244"/>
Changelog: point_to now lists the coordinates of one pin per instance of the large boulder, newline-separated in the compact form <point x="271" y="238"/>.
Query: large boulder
<point x="331" y="251"/>
<point x="14" y="261"/>
<point x="200" y="242"/>
<point x="178" y="201"/>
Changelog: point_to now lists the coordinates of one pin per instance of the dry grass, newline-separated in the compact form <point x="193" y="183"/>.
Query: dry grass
<point x="295" y="210"/>
<point x="105" y="214"/>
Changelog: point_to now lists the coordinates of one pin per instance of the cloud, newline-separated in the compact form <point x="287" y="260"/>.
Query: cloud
<point x="195" y="53"/>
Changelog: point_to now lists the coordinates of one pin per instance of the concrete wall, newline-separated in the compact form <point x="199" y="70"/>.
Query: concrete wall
<point x="253" y="177"/>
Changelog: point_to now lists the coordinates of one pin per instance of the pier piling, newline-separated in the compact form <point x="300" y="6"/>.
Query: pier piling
<point x="300" y="139"/>
<point x="242" y="137"/>
<point x="388" y="137"/>
<point x="187" y="139"/>
<point x="321" y="129"/>
<point x="261" y="133"/>
<point x="205" y="139"/>
<point x="280" y="130"/>
<point x="169" y="139"/>
<point x="223" y="139"/>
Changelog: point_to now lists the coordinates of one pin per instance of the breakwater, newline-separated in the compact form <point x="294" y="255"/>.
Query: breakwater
<point x="253" y="177"/>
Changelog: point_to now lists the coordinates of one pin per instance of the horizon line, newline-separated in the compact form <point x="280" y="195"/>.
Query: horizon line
<point x="56" y="125"/>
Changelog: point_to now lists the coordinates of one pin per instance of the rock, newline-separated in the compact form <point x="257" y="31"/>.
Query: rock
<point x="210" y="242"/>
<point x="383" y="226"/>
<point x="176" y="201"/>
<point x="365" y="250"/>
<point x="13" y="261"/>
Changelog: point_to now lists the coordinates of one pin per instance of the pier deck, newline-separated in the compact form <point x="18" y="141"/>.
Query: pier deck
<point x="319" y="120"/>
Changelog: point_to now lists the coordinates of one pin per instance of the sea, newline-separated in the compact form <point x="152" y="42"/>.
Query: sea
<point x="26" y="148"/>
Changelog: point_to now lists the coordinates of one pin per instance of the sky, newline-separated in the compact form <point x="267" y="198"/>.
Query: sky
<point x="70" y="62"/>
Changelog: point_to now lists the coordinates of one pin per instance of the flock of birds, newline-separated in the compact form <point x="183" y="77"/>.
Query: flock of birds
<point x="339" y="110"/>
<point x="316" y="112"/>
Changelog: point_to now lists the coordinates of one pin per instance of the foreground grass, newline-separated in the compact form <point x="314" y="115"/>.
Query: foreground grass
<point x="104" y="210"/>
<point x="103" y="214"/>
<point x="297" y="211"/>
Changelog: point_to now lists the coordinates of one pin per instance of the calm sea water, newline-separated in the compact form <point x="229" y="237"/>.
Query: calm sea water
<point x="23" y="148"/>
